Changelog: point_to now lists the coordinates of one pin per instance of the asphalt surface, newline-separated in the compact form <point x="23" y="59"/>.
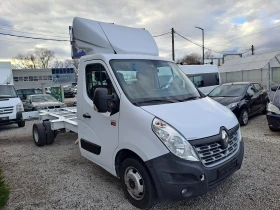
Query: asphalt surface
<point x="58" y="177"/>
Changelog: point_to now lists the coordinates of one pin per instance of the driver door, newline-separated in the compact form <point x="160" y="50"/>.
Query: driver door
<point x="98" y="132"/>
<point x="253" y="98"/>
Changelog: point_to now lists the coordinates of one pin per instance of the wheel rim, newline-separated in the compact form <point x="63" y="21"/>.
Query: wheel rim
<point x="134" y="183"/>
<point x="35" y="135"/>
<point x="245" y="117"/>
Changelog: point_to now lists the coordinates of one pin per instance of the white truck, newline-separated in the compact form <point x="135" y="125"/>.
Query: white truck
<point x="163" y="140"/>
<point x="206" y="77"/>
<point x="11" y="107"/>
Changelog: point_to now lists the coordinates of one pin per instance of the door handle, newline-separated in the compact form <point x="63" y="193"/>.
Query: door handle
<point x="86" y="115"/>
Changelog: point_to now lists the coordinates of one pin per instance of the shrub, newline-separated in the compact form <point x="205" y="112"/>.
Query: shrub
<point x="4" y="191"/>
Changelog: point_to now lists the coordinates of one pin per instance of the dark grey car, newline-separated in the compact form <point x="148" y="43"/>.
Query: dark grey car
<point x="40" y="102"/>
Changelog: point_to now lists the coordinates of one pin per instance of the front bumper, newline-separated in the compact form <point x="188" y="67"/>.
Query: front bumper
<point x="15" y="120"/>
<point x="172" y="175"/>
<point x="273" y="120"/>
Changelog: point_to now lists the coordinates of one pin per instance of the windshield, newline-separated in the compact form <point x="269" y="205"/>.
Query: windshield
<point x="43" y="98"/>
<point x="153" y="81"/>
<point x="205" y="79"/>
<point x="229" y="90"/>
<point x="7" y="91"/>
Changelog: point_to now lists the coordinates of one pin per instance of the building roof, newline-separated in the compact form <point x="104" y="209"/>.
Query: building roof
<point x="252" y="62"/>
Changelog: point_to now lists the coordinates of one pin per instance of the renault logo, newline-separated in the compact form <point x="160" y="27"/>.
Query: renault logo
<point x="224" y="141"/>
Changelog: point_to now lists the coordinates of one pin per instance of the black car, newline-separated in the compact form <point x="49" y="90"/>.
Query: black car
<point x="273" y="110"/>
<point x="68" y="92"/>
<point x="243" y="98"/>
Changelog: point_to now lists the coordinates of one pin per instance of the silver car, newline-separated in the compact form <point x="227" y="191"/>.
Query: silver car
<point x="40" y="102"/>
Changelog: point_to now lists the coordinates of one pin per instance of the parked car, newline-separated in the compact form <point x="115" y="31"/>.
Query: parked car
<point x="273" y="110"/>
<point x="48" y="90"/>
<point x="243" y="98"/>
<point x="23" y="93"/>
<point x="68" y="92"/>
<point x="41" y="101"/>
<point x="75" y="89"/>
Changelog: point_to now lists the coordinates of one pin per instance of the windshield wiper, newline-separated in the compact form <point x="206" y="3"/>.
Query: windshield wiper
<point x="155" y="100"/>
<point x="190" y="98"/>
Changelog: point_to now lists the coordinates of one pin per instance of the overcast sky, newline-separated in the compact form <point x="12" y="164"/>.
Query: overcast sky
<point x="228" y="25"/>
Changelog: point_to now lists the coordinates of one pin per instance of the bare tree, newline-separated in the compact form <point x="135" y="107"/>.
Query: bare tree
<point x="39" y="58"/>
<point x="208" y="54"/>
<point x="75" y="63"/>
<point x="191" y="59"/>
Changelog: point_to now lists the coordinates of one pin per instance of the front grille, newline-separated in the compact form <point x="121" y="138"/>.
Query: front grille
<point x="52" y="107"/>
<point x="212" y="154"/>
<point x="6" y="110"/>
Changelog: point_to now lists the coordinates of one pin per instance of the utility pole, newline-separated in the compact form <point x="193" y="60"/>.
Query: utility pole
<point x="202" y="43"/>
<point x="173" y="53"/>
<point x="252" y="48"/>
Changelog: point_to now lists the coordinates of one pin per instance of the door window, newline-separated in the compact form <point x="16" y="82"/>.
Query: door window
<point x="251" y="90"/>
<point x="258" y="87"/>
<point x="97" y="77"/>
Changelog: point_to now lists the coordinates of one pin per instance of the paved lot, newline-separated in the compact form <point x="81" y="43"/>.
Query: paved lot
<point x="57" y="177"/>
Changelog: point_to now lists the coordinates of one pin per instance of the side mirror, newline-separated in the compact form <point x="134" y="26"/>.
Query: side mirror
<point x="274" y="88"/>
<point x="100" y="99"/>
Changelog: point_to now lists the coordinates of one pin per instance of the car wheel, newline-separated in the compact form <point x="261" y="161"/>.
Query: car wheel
<point x="21" y="124"/>
<point x="264" y="111"/>
<point x="273" y="129"/>
<point x="244" y="117"/>
<point x="137" y="184"/>
<point x="39" y="134"/>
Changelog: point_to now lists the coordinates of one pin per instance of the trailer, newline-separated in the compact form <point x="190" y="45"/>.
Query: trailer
<point x="53" y="121"/>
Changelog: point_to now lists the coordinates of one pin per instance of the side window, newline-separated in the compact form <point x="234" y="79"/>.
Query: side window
<point x="198" y="80"/>
<point x="251" y="90"/>
<point x="258" y="87"/>
<point x="96" y="77"/>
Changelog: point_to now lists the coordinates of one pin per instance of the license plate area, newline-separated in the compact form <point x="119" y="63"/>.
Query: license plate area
<point x="4" y="118"/>
<point x="225" y="170"/>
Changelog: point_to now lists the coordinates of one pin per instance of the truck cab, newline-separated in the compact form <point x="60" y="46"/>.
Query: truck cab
<point x="160" y="136"/>
<point x="11" y="107"/>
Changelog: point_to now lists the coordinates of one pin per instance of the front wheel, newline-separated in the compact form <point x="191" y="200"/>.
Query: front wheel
<point x="137" y="184"/>
<point x="244" y="117"/>
<point x="21" y="124"/>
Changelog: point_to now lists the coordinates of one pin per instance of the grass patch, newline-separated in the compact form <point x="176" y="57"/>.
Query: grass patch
<point x="4" y="191"/>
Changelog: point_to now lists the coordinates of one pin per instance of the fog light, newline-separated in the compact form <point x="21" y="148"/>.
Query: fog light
<point x="184" y="191"/>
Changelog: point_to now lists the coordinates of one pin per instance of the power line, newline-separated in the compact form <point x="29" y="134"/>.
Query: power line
<point x="162" y="34"/>
<point x="28" y="37"/>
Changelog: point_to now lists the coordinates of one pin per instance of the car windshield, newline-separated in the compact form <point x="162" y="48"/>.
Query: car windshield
<point x="232" y="90"/>
<point x="7" y="91"/>
<point x="43" y="98"/>
<point x="152" y="81"/>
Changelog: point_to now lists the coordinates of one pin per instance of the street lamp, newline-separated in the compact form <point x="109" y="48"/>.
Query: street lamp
<point x="202" y="42"/>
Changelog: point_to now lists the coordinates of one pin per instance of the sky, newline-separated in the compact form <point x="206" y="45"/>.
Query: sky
<point x="230" y="26"/>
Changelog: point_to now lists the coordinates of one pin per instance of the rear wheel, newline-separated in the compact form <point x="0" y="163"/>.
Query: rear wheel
<point x="39" y="134"/>
<point x="273" y="129"/>
<point x="244" y="117"/>
<point x="21" y="124"/>
<point x="50" y="134"/>
<point x="137" y="184"/>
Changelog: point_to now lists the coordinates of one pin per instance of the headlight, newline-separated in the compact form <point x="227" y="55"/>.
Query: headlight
<point x="239" y="137"/>
<point x="173" y="140"/>
<point x="232" y="105"/>
<point x="19" y="107"/>
<point x="63" y="105"/>
<point x="273" y="108"/>
<point x="39" y="107"/>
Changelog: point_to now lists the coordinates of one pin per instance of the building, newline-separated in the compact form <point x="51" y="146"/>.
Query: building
<point x="262" y="68"/>
<point x="37" y="78"/>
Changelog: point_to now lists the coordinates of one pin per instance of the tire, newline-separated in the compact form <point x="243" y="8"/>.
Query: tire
<point x="242" y="119"/>
<point x="39" y="134"/>
<point x="133" y="172"/>
<point x="21" y="124"/>
<point x="273" y="129"/>
<point x="50" y="134"/>
<point x="264" y="111"/>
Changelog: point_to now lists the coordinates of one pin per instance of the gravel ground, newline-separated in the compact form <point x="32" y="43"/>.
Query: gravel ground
<point x="57" y="177"/>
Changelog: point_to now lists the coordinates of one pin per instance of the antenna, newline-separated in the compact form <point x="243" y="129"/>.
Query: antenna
<point x="107" y="38"/>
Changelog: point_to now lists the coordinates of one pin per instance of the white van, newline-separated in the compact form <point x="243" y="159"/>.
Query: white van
<point x="11" y="107"/>
<point x="140" y="118"/>
<point x="206" y="77"/>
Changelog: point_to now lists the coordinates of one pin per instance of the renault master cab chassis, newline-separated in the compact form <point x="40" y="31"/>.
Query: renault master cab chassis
<point x="140" y="118"/>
